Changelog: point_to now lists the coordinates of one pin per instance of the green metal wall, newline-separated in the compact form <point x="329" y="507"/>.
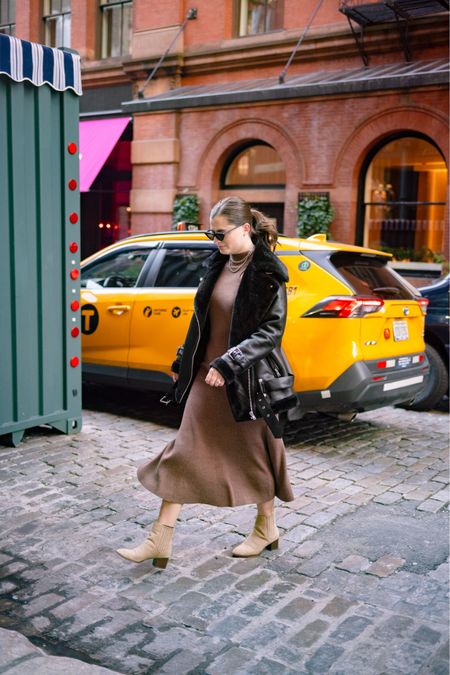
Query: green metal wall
<point x="38" y="384"/>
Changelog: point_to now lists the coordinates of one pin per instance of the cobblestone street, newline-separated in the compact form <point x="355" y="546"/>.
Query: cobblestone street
<point x="358" y="587"/>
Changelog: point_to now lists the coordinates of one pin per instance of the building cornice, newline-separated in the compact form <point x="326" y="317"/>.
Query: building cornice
<point x="268" y="50"/>
<point x="104" y="72"/>
<point x="274" y="49"/>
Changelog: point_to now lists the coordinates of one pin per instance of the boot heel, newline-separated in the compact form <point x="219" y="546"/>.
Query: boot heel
<point x="161" y="563"/>
<point x="273" y="546"/>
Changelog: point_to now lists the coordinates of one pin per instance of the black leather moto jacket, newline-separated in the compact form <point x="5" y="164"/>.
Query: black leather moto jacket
<point x="257" y="326"/>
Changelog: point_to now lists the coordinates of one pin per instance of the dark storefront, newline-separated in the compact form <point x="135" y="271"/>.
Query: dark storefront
<point x="105" y="169"/>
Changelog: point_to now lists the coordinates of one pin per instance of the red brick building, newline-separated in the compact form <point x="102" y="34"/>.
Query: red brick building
<point x="361" y="115"/>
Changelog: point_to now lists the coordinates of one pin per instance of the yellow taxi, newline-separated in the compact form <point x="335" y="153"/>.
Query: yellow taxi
<point x="354" y="332"/>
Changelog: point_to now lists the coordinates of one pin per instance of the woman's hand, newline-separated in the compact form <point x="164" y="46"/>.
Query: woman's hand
<point x="214" y="378"/>
<point x="174" y="376"/>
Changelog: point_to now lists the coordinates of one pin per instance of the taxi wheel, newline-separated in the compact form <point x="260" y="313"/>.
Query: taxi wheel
<point x="436" y="385"/>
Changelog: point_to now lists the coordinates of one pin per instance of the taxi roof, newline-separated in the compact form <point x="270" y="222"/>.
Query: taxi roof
<point x="291" y="243"/>
<point x="284" y="243"/>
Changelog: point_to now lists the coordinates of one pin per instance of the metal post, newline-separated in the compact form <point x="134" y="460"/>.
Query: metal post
<point x="191" y="14"/>
<point x="297" y="46"/>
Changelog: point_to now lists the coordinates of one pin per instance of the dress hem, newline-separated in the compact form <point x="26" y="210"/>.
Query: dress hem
<point x="208" y="503"/>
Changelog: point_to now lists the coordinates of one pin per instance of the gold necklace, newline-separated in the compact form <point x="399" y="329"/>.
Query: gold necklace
<point x="237" y="265"/>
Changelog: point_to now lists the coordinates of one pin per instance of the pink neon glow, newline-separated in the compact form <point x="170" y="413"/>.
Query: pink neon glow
<point x="97" y="140"/>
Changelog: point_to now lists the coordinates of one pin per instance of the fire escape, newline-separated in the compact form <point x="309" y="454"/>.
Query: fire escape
<point x="401" y="12"/>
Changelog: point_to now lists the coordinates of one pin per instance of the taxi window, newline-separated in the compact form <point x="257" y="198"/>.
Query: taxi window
<point x="370" y="276"/>
<point x="117" y="270"/>
<point x="182" y="268"/>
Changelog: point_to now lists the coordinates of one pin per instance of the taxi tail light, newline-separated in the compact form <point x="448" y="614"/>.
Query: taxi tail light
<point x="387" y="363"/>
<point x="337" y="307"/>
<point x="423" y="302"/>
<point x="390" y="363"/>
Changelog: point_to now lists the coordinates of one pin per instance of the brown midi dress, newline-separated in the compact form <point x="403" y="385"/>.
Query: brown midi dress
<point x="214" y="459"/>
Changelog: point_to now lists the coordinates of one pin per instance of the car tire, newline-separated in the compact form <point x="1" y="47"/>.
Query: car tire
<point x="436" y="384"/>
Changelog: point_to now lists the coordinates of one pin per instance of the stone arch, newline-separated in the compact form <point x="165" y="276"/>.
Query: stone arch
<point x="231" y="137"/>
<point x="419" y="119"/>
<point x="400" y="120"/>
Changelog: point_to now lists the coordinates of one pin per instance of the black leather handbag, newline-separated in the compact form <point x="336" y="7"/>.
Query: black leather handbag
<point x="274" y="393"/>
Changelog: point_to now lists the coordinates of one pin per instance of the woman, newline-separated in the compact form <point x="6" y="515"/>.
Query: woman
<point x="223" y="455"/>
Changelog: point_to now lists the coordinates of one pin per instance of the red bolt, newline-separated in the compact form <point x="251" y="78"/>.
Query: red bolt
<point x="74" y="274"/>
<point x="72" y="148"/>
<point x="73" y="247"/>
<point x="72" y="184"/>
<point x="75" y="306"/>
<point x="74" y="361"/>
<point x="75" y="332"/>
<point x="73" y="218"/>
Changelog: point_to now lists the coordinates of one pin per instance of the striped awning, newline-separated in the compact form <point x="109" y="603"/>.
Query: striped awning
<point x="22" y="60"/>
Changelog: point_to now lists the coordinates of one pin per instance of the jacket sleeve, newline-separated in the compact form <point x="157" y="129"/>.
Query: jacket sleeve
<point x="259" y="344"/>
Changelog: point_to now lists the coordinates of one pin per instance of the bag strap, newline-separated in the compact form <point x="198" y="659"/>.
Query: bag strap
<point x="169" y="396"/>
<point x="268" y="415"/>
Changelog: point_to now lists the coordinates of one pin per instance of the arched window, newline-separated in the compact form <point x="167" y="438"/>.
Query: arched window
<point x="403" y="192"/>
<point x="255" y="165"/>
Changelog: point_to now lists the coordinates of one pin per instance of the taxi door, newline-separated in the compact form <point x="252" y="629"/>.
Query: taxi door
<point x="107" y="296"/>
<point x="162" y="313"/>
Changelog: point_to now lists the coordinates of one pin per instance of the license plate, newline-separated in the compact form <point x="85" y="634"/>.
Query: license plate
<point x="404" y="361"/>
<point x="400" y="330"/>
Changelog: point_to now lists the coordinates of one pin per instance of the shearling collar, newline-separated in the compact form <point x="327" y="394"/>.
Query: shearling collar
<point x="263" y="260"/>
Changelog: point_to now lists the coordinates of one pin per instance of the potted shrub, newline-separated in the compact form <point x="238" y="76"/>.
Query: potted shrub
<point x="186" y="209"/>
<point x="315" y="215"/>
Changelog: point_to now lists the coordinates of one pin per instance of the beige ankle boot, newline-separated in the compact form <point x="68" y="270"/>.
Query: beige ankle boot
<point x="265" y="535"/>
<point x="158" y="546"/>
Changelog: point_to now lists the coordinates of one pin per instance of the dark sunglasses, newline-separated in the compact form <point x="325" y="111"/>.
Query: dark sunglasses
<point x="220" y="236"/>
